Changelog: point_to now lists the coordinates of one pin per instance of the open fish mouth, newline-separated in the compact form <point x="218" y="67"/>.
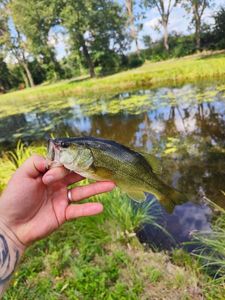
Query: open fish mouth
<point x="53" y="152"/>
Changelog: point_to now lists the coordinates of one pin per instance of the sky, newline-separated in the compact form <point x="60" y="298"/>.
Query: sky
<point x="179" y="21"/>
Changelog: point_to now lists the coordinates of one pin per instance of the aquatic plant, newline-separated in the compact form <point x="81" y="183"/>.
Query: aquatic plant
<point x="150" y="75"/>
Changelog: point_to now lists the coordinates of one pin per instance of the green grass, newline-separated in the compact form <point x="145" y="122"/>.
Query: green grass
<point x="101" y="258"/>
<point x="151" y="74"/>
<point x="212" y="251"/>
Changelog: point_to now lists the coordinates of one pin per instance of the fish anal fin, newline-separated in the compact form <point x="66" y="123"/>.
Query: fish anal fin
<point x="138" y="196"/>
<point x="167" y="204"/>
<point x="170" y="198"/>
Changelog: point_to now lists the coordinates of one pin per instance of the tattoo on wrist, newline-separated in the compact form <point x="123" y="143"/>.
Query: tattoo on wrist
<point x="9" y="257"/>
<point x="11" y="250"/>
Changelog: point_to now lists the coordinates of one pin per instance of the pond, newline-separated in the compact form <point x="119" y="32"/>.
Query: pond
<point x="183" y="126"/>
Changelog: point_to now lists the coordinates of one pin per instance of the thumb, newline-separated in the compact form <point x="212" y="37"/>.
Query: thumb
<point x="32" y="167"/>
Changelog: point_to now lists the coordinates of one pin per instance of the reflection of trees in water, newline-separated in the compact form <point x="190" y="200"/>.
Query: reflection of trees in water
<point x="121" y="128"/>
<point x="201" y="171"/>
<point x="199" y="128"/>
<point x="204" y="171"/>
<point x="196" y="172"/>
<point x="10" y="125"/>
<point x="210" y="122"/>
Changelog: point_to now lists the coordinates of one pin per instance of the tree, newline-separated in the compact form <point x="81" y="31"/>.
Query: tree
<point x="14" y="43"/>
<point x="35" y="19"/>
<point x="5" y="78"/>
<point x="131" y="25"/>
<point x="164" y="8"/>
<point x="147" y="40"/>
<point x="219" y="28"/>
<point x="96" y="30"/>
<point x="197" y="8"/>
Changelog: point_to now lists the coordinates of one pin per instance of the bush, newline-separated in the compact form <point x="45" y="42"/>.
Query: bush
<point x="179" y="46"/>
<point x="135" y="60"/>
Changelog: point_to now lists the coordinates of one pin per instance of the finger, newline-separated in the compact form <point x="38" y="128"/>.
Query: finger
<point x="33" y="166"/>
<point x="72" y="177"/>
<point x="55" y="174"/>
<point x="82" y="192"/>
<point x="82" y="210"/>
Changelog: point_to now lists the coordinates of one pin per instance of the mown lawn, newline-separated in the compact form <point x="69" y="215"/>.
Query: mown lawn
<point x="151" y="74"/>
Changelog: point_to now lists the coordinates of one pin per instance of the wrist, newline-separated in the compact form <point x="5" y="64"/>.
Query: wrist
<point x="5" y="229"/>
<point x="11" y="250"/>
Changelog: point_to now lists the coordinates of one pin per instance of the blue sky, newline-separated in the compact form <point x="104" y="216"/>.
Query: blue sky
<point x="179" y="21"/>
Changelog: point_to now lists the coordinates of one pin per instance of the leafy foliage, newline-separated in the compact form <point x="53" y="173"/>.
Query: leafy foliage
<point x="197" y="9"/>
<point x="96" y="36"/>
<point x="100" y="35"/>
<point x="219" y="28"/>
<point x="35" y="25"/>
<point x="6" y="79"/>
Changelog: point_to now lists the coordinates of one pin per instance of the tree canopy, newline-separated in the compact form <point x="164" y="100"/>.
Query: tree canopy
<point x="97" y="36"/>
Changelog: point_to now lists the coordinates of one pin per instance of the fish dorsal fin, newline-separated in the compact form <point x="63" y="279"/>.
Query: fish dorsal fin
<point x="154" y="162"/>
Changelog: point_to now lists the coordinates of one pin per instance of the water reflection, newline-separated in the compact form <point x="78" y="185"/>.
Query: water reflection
<point x="184" y="126"/>
<point x="185" y="220"/>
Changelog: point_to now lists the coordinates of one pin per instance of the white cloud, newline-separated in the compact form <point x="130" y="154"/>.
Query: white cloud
<point x="152" y="23"/>
<point x="58" y="38"/>
<point x="179" y="21"/>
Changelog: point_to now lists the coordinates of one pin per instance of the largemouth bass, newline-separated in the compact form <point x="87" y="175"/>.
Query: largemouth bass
<point x="100" y="159"/>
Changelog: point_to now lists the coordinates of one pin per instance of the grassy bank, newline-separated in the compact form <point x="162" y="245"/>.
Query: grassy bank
<point x="101" y="258"/>
<point x="151" y="74"/>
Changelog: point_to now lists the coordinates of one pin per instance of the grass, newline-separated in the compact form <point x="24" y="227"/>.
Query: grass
<point x="101" y="258"/>
<point x="212" y="250"/>
<point x="151" y="74"/>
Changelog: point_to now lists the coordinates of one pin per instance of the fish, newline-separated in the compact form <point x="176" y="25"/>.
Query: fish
<point x="135" y="173"/>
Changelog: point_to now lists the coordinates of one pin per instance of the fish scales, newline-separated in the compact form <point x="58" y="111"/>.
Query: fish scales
<point x="100" y="159"/>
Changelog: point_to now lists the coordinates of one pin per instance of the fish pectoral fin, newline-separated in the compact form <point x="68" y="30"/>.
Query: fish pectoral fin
<point x="138" y="196"/>
<point x="103" y="173"/>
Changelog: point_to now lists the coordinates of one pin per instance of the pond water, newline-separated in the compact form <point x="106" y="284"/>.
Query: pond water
<point x="183" y="126"/>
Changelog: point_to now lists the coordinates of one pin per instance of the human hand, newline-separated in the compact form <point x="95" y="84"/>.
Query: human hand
<point x="35" y="202"/>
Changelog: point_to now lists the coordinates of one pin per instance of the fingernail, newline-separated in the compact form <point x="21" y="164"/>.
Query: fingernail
<point x="48" y="179"/>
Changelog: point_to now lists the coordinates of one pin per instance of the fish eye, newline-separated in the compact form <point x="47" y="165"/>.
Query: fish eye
<point x="64" y="145"/>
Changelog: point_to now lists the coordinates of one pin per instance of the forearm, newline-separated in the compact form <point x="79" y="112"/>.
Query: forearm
<point x="10" y="252"/>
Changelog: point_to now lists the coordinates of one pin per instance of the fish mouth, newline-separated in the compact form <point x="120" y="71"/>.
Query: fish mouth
<point x="53" y="150"/>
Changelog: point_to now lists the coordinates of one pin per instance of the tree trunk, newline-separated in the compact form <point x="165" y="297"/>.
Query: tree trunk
<point x="25" y="79"/>
<point x="197" y="20"/>
<point x="137" y="46"/>
<point x="165" y="35"/>
<point x="133" y="31"/>
<point x="197" y="34"/>
<point x="28" y="74"/>
<point x="88" y="59"/>
<point x="56" y="65"/>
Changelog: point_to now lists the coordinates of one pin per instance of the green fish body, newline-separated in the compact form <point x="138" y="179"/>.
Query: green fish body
<point x="100" y="159"/>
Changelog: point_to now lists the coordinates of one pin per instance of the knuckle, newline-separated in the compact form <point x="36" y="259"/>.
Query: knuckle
<point x="34" y="155"/>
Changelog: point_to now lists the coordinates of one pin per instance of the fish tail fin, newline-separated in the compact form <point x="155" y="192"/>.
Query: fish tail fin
<point x="171" y="199"/>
